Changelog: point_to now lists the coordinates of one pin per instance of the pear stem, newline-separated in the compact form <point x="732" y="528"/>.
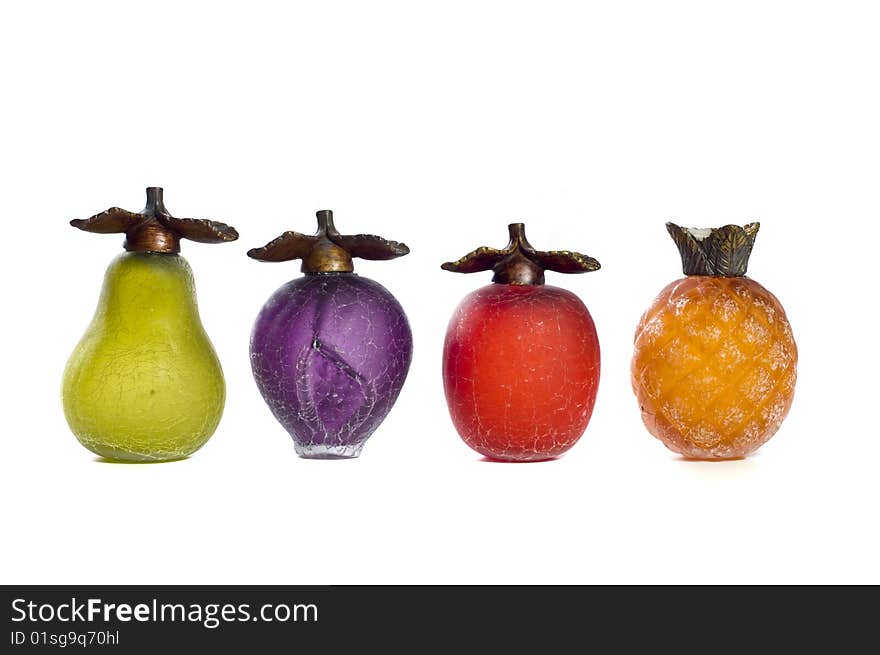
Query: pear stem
<point x="155" y="201"/>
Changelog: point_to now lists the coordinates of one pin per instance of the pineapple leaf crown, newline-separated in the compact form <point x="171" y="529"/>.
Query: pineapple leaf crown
<point x="719" y="252"/>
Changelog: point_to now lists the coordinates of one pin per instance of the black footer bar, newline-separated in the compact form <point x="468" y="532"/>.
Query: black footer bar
<point x="424" y="618"/>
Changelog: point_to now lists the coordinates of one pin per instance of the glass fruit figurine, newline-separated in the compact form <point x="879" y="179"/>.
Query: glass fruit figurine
<point x="521" y="358"/>
<point x="715" y="361"/>
<point x="144" y="384"/>
<point x="330" y="350"/>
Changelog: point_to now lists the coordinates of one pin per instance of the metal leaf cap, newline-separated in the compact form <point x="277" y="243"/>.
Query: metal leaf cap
<point x="154" y="229"/>
<point x="519" y="263"/>
<point x="327" y="251"/>
<point x="720" y="252"/>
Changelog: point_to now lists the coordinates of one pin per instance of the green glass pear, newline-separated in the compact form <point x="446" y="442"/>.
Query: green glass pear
<point x="144" y="383"/>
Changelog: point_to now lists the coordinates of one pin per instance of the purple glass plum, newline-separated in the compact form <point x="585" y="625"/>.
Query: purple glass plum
<point x="330" y="350"/>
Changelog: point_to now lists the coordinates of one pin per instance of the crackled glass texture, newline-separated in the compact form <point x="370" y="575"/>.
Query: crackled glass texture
<point x="330" y="353"/>
<point x="521" y="371"/>
<point x="144" y="382"/>
<point x="714" y="368"/>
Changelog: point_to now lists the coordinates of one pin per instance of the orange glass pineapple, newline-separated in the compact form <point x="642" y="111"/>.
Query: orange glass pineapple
<point x="715" y="361"/>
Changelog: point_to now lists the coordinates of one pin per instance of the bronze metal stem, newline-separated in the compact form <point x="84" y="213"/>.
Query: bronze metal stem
<point x="154" y="229"/>
<point x="519" y="263"/>
<point x="327" y="251"/>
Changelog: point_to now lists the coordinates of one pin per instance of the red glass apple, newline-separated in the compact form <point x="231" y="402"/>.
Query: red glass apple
<point x="521" y="358"/>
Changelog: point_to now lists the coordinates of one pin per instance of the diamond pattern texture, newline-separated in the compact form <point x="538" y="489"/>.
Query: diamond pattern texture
<point x="715" y="366"/>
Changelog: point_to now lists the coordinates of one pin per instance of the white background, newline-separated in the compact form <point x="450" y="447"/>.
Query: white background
<point x="437" y="124"/>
